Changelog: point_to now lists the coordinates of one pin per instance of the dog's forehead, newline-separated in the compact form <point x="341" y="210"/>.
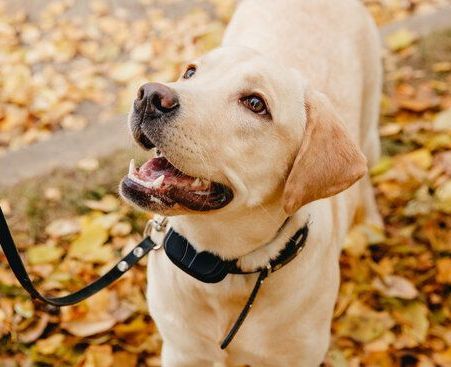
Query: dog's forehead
<point x="227" y="58"/>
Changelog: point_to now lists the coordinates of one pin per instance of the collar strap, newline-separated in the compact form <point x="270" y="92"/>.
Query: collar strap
<point x="210" y="268"/>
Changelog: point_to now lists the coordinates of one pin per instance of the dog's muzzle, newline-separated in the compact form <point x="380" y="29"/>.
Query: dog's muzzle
<point x="154" y="105"/>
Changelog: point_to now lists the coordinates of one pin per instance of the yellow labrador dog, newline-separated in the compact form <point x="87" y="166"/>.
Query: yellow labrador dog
<point x="270" y="132"/>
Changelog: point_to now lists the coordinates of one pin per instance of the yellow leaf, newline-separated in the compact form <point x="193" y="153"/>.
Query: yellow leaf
<point x="444" y="271"/>
<point x="363" y="324"/>
<point x="400" y="39"/>
<point x="99" y="356"/>
<point x="443" y="197"/>
<point x="414" y="323"/>
<point x="49" y="345"/>
<point x="125" y="359"/>
<point x="44" y="254"/>
<point x="420" y="157"/>
<point x="384" y="164"/>
<point x="443" y="359"/>
<point x="89" y="245"/>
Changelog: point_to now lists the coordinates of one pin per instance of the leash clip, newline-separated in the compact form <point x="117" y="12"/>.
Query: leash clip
<point x="158" y="225"/>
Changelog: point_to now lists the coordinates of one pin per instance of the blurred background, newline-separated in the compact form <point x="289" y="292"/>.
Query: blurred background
<point x="69" y="71"/>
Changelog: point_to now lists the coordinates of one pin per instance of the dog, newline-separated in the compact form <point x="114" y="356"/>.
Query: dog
<point x="273" y="130"/>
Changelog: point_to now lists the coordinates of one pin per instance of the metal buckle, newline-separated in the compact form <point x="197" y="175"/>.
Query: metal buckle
<point x="159" y="226"/>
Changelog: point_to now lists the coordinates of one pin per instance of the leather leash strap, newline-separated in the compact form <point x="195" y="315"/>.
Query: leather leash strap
<point x="294" y="246"/>
<point x="247" y="307"/>
<point x="17" y="266"/>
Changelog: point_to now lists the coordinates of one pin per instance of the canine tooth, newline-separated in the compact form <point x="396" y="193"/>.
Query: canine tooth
<point x="132" y="167"/>
<point x="197" y="182"/>
<point x="148" y="185"/>
<point x="156" y="200"/>
<point x="157" y="183"/>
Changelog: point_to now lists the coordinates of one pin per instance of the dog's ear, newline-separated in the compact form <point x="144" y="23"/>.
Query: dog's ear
<point x="328" y="161"/>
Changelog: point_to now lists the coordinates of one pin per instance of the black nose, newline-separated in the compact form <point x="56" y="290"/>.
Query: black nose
<point x="155" y="100"/>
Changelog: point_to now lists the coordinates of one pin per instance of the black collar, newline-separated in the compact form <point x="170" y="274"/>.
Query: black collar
<point x="210" y="268"/>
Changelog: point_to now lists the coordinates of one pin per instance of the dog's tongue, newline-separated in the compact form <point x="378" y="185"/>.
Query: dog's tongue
<point x="163" y="174"/>
<point x="158" y="182"/>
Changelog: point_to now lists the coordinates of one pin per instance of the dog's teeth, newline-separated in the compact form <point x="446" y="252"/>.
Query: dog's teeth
<point x="197" y="182"/>
<point x="156" y="200"/>
<point x="157" y="183"/>
<point x="132" y="167"/>
<point x="202" y="193"/>
<point x="136" y="179"/>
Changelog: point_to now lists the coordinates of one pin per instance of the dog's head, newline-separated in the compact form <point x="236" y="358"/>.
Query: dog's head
<point x="237" y="130"/>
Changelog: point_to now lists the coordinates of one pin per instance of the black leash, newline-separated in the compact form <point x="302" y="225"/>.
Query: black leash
<point x="204" y="266"/>
<point x="245" y="311"/>
<point x="17" y="266"/>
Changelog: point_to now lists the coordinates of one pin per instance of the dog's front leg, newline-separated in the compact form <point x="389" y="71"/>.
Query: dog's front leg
<point x="174" y="357"/>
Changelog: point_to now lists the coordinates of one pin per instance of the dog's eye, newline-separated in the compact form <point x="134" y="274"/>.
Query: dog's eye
<point x="256" y="104"/>
<point x="189" y="72"/>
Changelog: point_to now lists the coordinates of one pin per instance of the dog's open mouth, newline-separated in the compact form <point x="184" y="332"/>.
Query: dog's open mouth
<point x="157" y="184"/>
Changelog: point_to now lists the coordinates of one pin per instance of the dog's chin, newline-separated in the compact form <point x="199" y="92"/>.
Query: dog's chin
<point x="160" y="187"/>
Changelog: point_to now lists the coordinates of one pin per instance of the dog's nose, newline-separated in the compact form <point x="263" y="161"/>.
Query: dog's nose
<point x="156" y="99"/>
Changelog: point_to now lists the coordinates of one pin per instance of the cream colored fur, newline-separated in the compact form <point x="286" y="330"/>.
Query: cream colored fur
<point x="317" y="64"/>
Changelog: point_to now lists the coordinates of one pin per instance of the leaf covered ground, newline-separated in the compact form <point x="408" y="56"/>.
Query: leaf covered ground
<point x="65" y="64"/>
<point x="394" y="304"/>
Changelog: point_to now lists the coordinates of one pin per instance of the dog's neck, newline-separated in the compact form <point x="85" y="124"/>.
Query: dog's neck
<point x="254" y="236"/>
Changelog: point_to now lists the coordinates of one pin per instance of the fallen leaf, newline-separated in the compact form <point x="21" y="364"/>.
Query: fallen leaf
<point x="93" y="316"/>
<point x="44" y="254"/>
<point x="420" y="157"/>
<point x="443" y="197"/>
<point x="441" y="67"/>
<point x="107" y="204"/>
<point x="400" y="39"/>
<point x="99" y="356"/>
<point x="395" y="286"/>
<point x="35" y="330"/>
<point x="124" y="359"/>
<point x="414" y="324"/>
<point x="335" y="358"/>
<point x="52" y="194"/>
<point x="442" y="121"/>
<point x="121" y="229"/>
<point x="363" y="324"/>
<point x="49" y="345"/>
<point x="89" y="245"/>
<point x="443" y="359"/>
<point x="63" y="227"/>
<point x="444" y="270"/>
<point x="123" y="72"/>
<point x="88" y="164"/>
